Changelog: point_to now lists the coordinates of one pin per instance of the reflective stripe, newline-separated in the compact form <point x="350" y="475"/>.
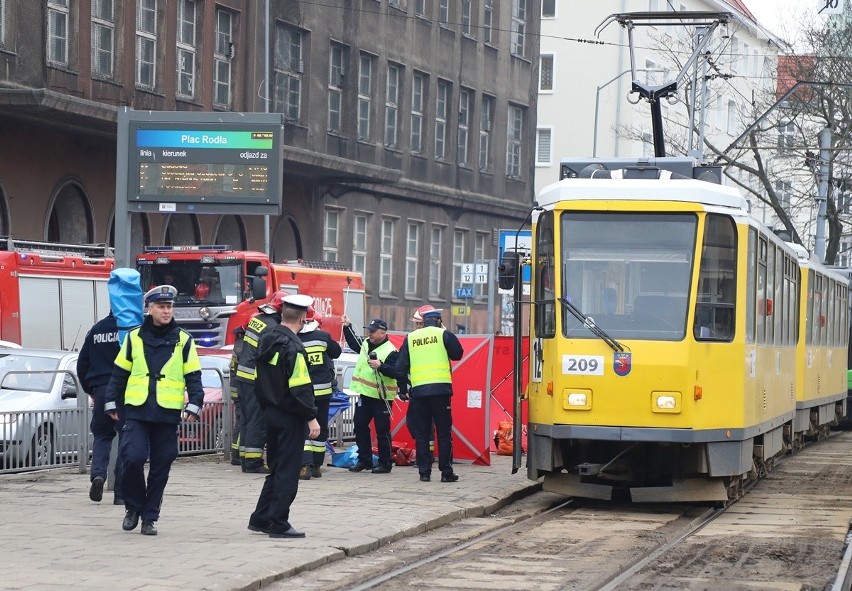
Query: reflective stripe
<point x="300" y="375"/>
<point x="322" y="389"/>
<point x="314" y="446"/>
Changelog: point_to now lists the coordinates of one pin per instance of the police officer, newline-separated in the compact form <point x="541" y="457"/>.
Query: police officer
<point x="375" y="380"/>
<point x="94" y="368"/>
<point x="237" y="443"/>
<point x="425" y="358"/>
<point x="253" y="428"/>
<point x="156" y="364"/>
<point x="322" y="351"/>
<point x="286" y="396"/>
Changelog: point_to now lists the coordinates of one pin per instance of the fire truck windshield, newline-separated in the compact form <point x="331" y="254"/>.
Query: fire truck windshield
<point x="209" y="284"/>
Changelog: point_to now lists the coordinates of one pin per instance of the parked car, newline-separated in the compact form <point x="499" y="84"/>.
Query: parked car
<point x="207" y="433"/>
<point x="41" y="420"/>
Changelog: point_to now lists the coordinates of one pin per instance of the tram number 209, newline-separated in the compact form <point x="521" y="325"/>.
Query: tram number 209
<point x="587" y="365"/>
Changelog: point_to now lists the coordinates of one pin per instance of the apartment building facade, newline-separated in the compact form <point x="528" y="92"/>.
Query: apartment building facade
<point x="407" y="135"/>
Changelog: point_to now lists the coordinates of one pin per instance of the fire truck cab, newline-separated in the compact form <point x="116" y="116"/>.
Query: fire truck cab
<point x="219" y="289"/>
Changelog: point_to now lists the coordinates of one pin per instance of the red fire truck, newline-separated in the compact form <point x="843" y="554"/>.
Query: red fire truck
<point x="51" y="294"/>
<point x="219" y="288"/>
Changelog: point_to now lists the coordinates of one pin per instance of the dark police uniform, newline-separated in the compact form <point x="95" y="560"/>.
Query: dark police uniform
<point x="253" y="428"/>
<point x="321" y="351"/>
<point x="286" y="396"/>
<point x="94" y="368"/>
<point x="425" y="358"/>
<point x="152" y="369"/>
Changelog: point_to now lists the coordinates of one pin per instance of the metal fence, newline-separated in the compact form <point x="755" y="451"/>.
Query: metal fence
<point x="40" y="439"/>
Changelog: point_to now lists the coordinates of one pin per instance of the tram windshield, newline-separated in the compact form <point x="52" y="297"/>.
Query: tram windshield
<point x="629" y="272"/>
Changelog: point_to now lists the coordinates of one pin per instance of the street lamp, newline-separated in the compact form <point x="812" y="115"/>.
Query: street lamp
<point x="598" y="98"/>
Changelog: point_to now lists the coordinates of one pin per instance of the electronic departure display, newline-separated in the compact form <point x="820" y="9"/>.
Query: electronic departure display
<point x="192" y="166"/>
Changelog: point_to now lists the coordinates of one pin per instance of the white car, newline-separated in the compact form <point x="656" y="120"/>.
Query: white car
<point x="41" y="418"/>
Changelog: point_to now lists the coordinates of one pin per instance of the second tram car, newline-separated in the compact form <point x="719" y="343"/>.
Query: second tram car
<point x="678" y="344"/>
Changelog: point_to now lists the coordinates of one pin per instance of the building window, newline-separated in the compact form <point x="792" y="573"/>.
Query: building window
<point x="386" y="257"/>
<point x="441" y="108"/>
<point x="146" y="43"/>
<point x="222" y="58"/>
<point x="548" y="8"/>
<point x="732" y="117"/>
<point x="359" y="244"/>
<point x="542" y="143"/>
<point x="479" y="256"/>
<point x="335" y="88"/>
<point x="392" y="105"/>
<point x="735" y="53"/>
<point x="329" y="240"/>
<point x="412" y="254"/>
<point x="417" y="87"/>
<point x="488" y="22"/>
<point x="444" y="11"/>
<point x="784" y="192"/>
<point x="103" y="36"/>
<point x="420" y="8"/>
<point x="486" y="119"/>
<point x="365" y="96"/>
<point x="519" y="27"/>
<point x="186" y="48"/>
<point x="464" y="126"/>
<point x="786" y="136"/>
<point x="57" y="34"/>
<point x="435" y="244"/>
<point x="458" y="258"/>
<point x="465" y="22"/>
<point x="288" y="73"/>
<point x="545" y="73"/>
<point x="744" y="57"/>
<point x="513" y="142"/>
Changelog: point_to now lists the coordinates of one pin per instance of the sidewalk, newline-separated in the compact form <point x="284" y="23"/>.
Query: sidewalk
<point x="57" y="538"/>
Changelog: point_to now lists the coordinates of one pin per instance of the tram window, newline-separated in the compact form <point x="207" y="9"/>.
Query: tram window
<point x="750" y="284"/>
<point x="545" y="298"/>
<point x="716" y="292"/>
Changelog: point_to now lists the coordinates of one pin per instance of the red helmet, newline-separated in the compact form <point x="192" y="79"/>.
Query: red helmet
<point x="275" y="303"/>
<point x="418" y="313"/>
<point x="313" y="316"/>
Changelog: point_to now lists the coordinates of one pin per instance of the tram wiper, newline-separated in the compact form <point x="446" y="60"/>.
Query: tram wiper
<point x="589" y="323"/>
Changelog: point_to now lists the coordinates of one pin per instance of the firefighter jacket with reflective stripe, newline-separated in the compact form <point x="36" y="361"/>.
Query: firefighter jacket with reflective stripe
<point x="369" y="382"/>
<point x="425" y="358"/>
<point x="247" y="358"/>
<point x="152" y="369"/>
<point x="283" y="380"/>
<point x="321" y="352"/>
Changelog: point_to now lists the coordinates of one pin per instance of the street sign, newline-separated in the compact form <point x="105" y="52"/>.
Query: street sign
<point x="460" y="310"/>
<point x="464" y="293"/>
<point x="481" y="278"/>
<point x="829" y="6"/>
<point x="507" y="240"/>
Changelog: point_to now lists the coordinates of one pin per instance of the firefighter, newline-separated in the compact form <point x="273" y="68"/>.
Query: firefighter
<point x="286" y="396"/>
<point x="321" y="350"/>
<point x="425" y="358"/>
<point x="253" y="427"/>
<point x="237" y="444"/>
<point x="375" y="380"/>
<point x="157" y="363"/>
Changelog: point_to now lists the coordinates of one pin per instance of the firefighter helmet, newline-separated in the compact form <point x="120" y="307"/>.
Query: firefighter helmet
<point x="418" y="313"/>
<point x="275" y="303"/>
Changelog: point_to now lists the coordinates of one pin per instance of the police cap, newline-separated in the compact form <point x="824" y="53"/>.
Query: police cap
<point x="298" y="301"/>
<point x="434" y="314"/>
<point x="161" y="293"/>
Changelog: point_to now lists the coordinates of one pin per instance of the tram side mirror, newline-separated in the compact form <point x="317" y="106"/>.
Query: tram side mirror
<point x="507" y="270"/>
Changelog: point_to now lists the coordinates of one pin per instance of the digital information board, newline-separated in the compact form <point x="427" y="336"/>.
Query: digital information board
<point x="195" y="166"/>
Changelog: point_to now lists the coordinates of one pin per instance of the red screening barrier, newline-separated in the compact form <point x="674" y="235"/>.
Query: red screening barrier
<point x="478" y="404"/>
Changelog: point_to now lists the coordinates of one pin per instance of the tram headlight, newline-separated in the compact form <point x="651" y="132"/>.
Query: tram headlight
<point x="577" y="399"/>
<point x="668" y="402"/>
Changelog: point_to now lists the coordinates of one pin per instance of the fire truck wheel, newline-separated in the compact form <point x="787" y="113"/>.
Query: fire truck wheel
<point x="43" y="452"/>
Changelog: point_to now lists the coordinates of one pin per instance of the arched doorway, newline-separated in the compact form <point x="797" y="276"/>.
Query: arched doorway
<point x="140" y="232"/>
<point x="286" y="240"/>
<point x="70" y="219"/>
<point x="181" y="230"/>
<point x="232" y="231"/>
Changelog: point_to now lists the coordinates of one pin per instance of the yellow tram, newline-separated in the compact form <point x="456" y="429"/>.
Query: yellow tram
<point x="677" y="344"/>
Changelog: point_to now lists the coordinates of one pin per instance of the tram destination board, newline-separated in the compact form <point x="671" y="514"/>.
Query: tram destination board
<point x="197" y="167"/>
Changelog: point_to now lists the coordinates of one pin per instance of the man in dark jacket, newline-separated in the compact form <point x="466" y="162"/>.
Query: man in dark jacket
<point x="156" y="365"/>
<point x="94" y="368"/>
<point x="425" y="358"/>
<point x="322" y="350"/>
<point x="286" y="397"/>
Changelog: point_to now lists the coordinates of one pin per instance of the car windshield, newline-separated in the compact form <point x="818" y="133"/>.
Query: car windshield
<point x="22" y="372"/>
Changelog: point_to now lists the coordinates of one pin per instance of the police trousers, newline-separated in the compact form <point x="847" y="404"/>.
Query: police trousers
<point x="141" y="440"/>
<point x="422" y="412"/>
<point x="366" y="410"/>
